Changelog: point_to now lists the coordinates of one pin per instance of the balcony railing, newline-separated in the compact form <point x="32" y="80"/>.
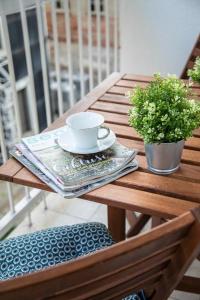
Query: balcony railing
<point x="51" y="54"/>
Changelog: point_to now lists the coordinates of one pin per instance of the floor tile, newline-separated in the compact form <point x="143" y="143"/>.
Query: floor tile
<point x="75" y="207"/>
<point x="194" y="269"/>
<point x="22" y="229"/>
<point x="100" y="214"/>
<point x="42" y="219"/>
<point x="184" y="296"/>
<point x="48" y="218"/>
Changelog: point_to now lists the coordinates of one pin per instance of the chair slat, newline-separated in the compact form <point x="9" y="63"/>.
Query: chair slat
<point x="116" y="292"/>
<point x="113" y="272"/>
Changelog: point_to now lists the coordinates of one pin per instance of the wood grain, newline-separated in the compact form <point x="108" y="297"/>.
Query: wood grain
<point x="130" y="83"/>
<point x="112" y="118"/>
<point x="119" y="90"/>
<point x="165" y="186"/>
<point x="141" y="191"/>
<point x="114" y="99"/>
<point x="141" y="201"/>
<point x="137" y="78"/>
<point x="118" y="232"/>
<point x="9" y="169"/>
<point x="111" y="107"/>
<point x="154" y="261"/>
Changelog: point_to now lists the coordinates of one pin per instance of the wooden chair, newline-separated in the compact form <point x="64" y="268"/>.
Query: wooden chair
<point x="190" y="62"/>
<point x="154" y="262"/>
<point x="136" y="223"/>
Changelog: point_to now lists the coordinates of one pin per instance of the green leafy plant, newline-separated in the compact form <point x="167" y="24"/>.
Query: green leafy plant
<point x="195" y="72"/>
<point x="161" y="111"/>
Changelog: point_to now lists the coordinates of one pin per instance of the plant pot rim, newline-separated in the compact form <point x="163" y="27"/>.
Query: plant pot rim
<point x="165" y="143"/>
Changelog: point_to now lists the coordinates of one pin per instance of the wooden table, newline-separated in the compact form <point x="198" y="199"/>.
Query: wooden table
<point x="142" y="191"/>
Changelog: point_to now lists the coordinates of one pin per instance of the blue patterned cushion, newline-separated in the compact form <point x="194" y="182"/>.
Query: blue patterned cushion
<point x="139" y="296"/>
<point x="31" y="252"/>
<point x="36" y="251"/>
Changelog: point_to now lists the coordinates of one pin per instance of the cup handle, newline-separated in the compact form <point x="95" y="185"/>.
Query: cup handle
<point x="106" y="133"/>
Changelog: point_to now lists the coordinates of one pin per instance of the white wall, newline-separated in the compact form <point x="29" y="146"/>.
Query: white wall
<point x="157" y="35"/>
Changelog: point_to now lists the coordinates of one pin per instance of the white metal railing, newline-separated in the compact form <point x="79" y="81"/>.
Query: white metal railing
<point x="78" y="48"/>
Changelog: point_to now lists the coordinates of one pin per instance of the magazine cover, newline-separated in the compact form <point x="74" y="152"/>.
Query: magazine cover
<point x="73" y="169"/>
<point x="132" y="166"/>
<point x="27" y="154"/>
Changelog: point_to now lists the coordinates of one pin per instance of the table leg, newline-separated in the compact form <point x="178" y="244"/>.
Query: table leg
<point x="156" y="221"/>
<point x="116" y="223"/>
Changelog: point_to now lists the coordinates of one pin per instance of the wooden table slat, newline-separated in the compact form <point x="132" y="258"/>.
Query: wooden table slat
<point x="113" y="118"/>
<point x="186" y="172"/>
<point x="26" y="178"/>
<point x="166" y="186"/>
<point x="111" y="107"/>
<point x="143" y="78"/>
<point x="119" y="90"/>
<point x="131" y="84"/>
<point x="136" y="78"/>
<point x="142" y="201"/>
<point x="119" y="99"/>
<point x="9" y="169"/>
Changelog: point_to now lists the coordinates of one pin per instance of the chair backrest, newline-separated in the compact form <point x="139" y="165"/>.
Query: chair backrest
<point x="190" y="62"/>
<point x="154" y="261"/>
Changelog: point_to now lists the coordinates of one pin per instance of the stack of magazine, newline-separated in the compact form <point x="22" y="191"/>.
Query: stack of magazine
<point x="72" y="175"/>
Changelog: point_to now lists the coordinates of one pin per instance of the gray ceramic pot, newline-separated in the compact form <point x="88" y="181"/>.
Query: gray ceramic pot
<point x="164" y="158"/>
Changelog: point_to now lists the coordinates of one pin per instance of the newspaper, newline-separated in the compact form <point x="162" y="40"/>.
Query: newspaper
<point x="131" y="166"/>
<point x="72" y="171"/>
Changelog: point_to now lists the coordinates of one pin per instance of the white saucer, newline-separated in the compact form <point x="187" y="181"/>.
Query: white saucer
<point x="66" y="142"/>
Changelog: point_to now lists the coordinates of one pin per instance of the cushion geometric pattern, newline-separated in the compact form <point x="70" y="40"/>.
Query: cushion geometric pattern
<point x="39" y="250"/>
<point x="139" y="296"/>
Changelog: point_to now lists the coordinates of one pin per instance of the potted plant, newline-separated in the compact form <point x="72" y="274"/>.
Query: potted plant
<point x="194" y="73"/>
<point x="164" y="117"/>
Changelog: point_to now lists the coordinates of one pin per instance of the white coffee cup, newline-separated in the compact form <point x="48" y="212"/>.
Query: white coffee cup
<point x="87" y="129"/>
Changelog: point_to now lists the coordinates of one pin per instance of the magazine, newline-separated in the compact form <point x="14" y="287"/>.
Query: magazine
<point x="71" y="171"/>
<point x="131" y="166"/>
<point x="30" y="157"/>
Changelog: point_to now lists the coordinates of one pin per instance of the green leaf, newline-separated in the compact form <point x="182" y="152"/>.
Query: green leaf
<point x="162" y="112"/>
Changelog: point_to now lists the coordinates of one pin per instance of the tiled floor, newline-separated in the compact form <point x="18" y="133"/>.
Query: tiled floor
<point x="62" y="211"/>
